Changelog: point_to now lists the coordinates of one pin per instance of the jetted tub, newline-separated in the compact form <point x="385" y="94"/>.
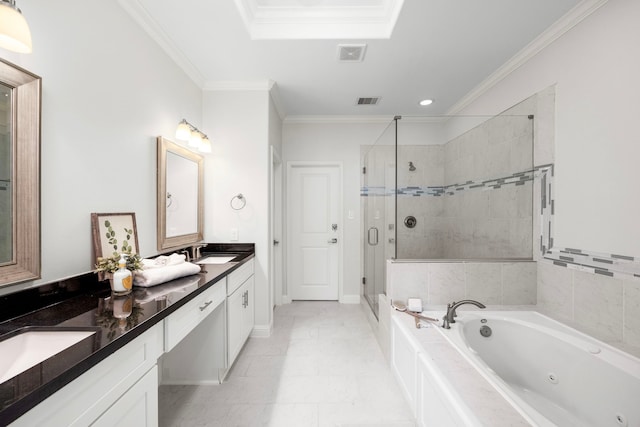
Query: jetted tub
<point x="552" y="374"/>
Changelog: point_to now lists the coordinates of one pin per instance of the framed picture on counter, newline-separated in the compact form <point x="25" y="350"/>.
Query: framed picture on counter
<point x="114" y="233"/>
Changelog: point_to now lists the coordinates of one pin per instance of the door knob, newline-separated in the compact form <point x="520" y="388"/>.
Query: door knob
<point x="334" y="240"/>
<point x="276" y="242"/>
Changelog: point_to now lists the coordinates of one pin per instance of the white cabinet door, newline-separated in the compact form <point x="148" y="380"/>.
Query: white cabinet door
<point x="235" y="309"/>
<point x="138" y="407"/>
<point x="240" y="318"/>
<point x="248" y="312"/>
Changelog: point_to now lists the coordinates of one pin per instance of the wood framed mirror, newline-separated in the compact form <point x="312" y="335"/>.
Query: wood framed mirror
<point x="20" y="111"/>
<point x="180" y="195"/>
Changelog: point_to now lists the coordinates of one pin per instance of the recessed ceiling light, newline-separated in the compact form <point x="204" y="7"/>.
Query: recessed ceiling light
<point x="426" y="102"/>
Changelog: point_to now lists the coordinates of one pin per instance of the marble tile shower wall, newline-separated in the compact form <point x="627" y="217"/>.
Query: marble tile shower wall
<point x="437" y="283"/>
<point x="605" y="307"/>
<point x="479" y="221"/>
<point x="493" y="223"/>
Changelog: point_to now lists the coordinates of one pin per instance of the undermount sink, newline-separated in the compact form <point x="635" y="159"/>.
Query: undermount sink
<point x="34" y="346"/>
<point x="217" y="259"/>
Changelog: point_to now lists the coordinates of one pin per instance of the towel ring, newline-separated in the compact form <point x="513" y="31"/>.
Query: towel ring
<point x="242" y="201"/>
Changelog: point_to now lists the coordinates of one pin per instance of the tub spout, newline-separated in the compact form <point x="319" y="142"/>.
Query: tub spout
<point x="451" y="311"/>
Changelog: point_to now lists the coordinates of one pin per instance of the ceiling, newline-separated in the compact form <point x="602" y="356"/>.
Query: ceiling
<point x="439" y="49"/>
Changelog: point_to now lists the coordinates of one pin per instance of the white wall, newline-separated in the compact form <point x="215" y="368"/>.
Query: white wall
<point x="238" y="123"/>
<point x="108" y="92"/>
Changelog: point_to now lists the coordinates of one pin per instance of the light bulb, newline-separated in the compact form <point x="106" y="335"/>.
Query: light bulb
<point x="14" y="30"/>
<point x="205" y="147"/>
<point x="183" y="132"/>
<point x="195" y="140"/>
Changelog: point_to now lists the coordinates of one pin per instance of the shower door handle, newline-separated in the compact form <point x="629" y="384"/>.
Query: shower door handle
<point x="373" y="236"/>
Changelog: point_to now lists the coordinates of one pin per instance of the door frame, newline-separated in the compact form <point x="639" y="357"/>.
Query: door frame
<point x="276" y="278"/>
<point x="311" y="164"/>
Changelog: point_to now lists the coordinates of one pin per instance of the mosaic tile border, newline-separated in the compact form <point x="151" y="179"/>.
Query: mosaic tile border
<point x="606" y="264"/>
<point x="519" y="178"/>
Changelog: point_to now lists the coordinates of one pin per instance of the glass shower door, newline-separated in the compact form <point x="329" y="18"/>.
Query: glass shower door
<point x="378" y="215"/>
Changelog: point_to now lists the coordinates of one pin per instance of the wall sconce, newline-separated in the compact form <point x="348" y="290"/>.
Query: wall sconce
<point x="14" y="31"/>
<point x="194" y="137"/>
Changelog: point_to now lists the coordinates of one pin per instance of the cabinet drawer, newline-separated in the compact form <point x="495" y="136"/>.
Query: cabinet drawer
<point x="238" y="277"/>
<point x="180" y="323"/>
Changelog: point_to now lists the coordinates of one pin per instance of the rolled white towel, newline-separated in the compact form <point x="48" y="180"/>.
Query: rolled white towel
<point x="163" y="261"/>
<point x="155" y="276"/>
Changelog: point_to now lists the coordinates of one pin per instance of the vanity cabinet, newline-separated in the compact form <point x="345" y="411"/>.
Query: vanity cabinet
<point x="122" y="387"/>
<point x="195" y="340"/>
<point x="240" y="309"/>
<point x="180" y="323"/>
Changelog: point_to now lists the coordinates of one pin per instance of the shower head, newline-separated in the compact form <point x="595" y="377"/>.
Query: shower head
<point x="411" y="167"/>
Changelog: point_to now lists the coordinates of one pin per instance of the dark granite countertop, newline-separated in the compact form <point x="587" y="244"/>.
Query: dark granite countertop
<point x="84" y="303"/>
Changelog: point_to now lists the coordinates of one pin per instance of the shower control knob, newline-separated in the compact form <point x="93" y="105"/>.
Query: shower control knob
<point x="410" y="221"/>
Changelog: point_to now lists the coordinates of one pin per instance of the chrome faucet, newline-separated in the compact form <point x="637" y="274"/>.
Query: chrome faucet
<point x="186" y="254"/>
<point x="195" y="251"/>
<point x="451" y="311"/>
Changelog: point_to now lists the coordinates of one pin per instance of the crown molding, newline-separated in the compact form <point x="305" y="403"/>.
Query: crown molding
<point x="362" y="119"/>
<point x="336" y="119"/>
<point x="256" y="85"/>
<point x="144" y="19"/>
<point x="554" y="32"/>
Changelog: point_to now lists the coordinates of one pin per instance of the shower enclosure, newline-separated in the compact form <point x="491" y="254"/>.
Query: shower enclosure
<point x="446" y="188"/>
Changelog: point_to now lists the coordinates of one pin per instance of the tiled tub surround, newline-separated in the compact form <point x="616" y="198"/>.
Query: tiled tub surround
<point x="440" y="282"/>
<point x="607" y="308"/>
<point x="83" y="302"/>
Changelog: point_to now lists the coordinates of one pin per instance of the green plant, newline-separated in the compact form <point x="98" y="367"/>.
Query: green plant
<point x="110" y="264"/>
<point x="111" y="238"/>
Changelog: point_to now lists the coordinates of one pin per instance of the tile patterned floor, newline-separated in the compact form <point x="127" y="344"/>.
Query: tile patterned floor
<point x="321" y="367"/>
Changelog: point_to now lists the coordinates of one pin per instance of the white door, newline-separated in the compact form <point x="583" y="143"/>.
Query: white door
<point x="314" y="231"/>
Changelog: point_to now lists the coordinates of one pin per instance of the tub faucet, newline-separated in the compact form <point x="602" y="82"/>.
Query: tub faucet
<point x="451" y="311"/>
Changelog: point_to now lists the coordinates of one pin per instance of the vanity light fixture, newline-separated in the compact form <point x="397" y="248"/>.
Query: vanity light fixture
<point x="426" y="102"/>
<point x="194" y="137"/>
<point x="14" y="30"/>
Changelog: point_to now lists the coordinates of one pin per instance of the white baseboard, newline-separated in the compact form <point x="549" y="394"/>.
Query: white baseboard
<point x="350" y="299"/>
<point x="345" y="299"/>
<point x="178" y="382"/>
<point x="262" y="331"/>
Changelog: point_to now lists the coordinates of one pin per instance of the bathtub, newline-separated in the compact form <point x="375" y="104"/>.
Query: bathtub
<point x="552" y="374"/>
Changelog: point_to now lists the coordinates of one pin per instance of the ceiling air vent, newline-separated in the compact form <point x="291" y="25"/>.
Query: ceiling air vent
<point x="368" y="101"/>
<point x="351" y="52"/>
